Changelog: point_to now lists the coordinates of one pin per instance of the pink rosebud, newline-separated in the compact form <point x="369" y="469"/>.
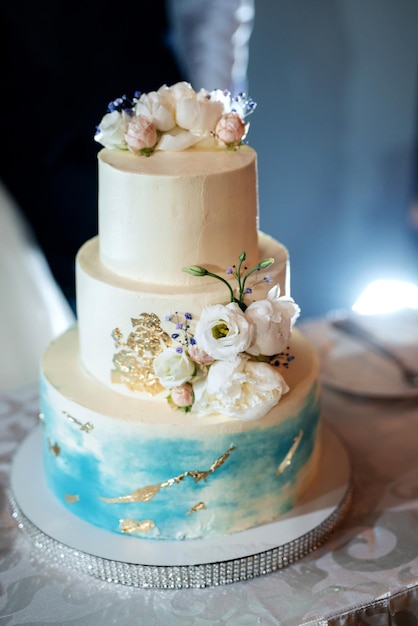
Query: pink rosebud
<point x="182" y="395"/>
<point x="141" y="134"/>
<point x="230" y="129"/>
<point x="200" y="356"/>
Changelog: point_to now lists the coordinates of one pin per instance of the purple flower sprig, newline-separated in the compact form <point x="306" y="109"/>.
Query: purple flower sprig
<point x="182" y="329"/>
<point x="124" y="104"/>
<point x="240" y="273"/>
<point x="244" y="104"/>
<point x="242" y="278"/>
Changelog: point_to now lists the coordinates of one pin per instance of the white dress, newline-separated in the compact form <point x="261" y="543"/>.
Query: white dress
<point x="33" y="309"/>
<point x="211" y="40"/>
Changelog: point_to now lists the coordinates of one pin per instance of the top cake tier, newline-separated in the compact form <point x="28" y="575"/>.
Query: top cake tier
<point x="176" y="209"/>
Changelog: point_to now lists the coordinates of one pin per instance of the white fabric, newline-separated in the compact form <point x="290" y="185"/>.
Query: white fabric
<point x="32" y="308"/>
<point x="212" y="40"/>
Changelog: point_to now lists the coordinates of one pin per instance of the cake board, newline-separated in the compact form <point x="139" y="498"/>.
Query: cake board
<point x="68" y="541"/>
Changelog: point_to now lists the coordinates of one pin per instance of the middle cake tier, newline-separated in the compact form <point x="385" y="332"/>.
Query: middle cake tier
<point x="116" y="314"/>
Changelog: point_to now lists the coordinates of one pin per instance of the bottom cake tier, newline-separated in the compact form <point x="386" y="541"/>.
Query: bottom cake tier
<point x="137" y="467"/>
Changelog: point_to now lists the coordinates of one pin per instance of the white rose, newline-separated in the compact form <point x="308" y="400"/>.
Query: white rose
<point x="273" y="320"/>
<point x="111" y="130"/>
<point x="194" y="116"/>
<point x="223" y="331"/>
<point x="150" y="105"/>
<point x="198" y="116"/>
<point x="173" y="368"/>
<point x="177" y="140"/>
<point x="179" y="91"/>
<point x="241" y="389"/>
<point x="169" y="96"/>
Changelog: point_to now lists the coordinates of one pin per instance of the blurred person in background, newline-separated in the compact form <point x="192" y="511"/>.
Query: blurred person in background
<point x="61" y="67"/>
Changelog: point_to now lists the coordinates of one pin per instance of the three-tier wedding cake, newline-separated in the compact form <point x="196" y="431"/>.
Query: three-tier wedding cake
<point x="183" y="404"/>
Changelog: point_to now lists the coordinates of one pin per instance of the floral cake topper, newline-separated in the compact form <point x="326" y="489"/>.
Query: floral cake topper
<point x="229" y="363"/>
<point x="175" y="118"/>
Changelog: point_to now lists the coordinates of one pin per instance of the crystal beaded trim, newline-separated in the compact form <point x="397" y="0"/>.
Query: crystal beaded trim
<point x="182" y="576"/>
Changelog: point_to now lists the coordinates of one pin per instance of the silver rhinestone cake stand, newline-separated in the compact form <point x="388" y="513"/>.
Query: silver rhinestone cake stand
<point x="68" y="541"/>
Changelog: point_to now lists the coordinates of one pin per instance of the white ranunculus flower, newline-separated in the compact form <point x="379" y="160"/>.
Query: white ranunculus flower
<point x="223" y="331"/>
<point x="173" y="368"/>
<point x="151" y="105"/>
<point x="111" y="130"/>
<point x="177" y="140"/>
<point x="273" y="320"/>
<point x="242" y="389"/>
<point x="179" y="91"/>
<point x="198" y="116"/>
<point x="169" y="96"/>
<point x="190" y="110"/>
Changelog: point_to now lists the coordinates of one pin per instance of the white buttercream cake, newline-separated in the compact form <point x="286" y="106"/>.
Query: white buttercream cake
<point x="183" y="404"/>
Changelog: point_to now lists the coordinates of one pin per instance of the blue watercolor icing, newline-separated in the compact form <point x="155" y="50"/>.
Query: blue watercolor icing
<point x="252" y="464"/>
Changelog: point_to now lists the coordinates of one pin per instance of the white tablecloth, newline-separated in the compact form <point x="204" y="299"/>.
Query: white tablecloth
<point x="366" y="573"/>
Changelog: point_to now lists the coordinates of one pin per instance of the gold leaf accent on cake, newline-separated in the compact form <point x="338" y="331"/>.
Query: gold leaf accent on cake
<point x="86" y="427"/>
<point x="117" y="336"/>
<point x="200" y="506"/>
<point x="145" y="494"/>
<point x="54" y="448"/>
<point x="134" y="361"/>
<point x="134" y="526"/>
<point x="202" y="475"/>
<point x="289" y="456"/>
<point x="71" y="498"/>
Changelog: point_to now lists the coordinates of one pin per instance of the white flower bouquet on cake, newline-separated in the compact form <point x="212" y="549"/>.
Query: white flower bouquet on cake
<point x="175" y="118"/>
<point x="229" y="363"/>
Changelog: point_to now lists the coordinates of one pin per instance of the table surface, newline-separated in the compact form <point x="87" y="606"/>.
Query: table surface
<point x="366" y="573"/>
